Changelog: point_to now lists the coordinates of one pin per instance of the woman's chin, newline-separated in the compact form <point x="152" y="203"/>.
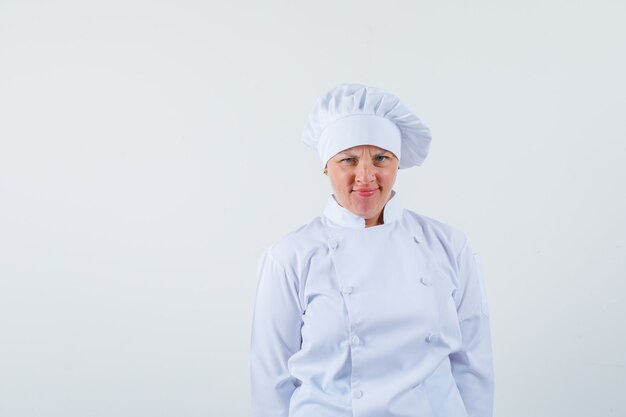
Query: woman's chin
<point x="365" y="211"/>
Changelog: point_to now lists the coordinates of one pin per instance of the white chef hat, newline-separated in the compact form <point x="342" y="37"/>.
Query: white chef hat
<point x="351" y="115"/>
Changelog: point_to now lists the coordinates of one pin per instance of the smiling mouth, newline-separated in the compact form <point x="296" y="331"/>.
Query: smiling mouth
<point x="365" y="192"/>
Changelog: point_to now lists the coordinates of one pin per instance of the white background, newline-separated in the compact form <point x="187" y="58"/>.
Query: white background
<point x="149" y="151"/>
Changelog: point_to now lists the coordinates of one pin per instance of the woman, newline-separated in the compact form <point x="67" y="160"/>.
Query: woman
<point x="370" y="310"/>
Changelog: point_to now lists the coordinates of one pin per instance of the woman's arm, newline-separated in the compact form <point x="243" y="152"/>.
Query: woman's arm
<point x="275" y="337"/>
<point x="472" y="365"/>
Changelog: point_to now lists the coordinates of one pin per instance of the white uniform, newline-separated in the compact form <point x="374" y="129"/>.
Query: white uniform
<point x="384" y="321"/>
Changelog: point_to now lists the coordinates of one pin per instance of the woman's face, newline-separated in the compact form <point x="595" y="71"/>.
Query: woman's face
<point x="362" y="178"/>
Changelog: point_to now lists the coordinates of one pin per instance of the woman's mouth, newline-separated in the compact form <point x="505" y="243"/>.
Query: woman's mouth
<point x="365" y="192"/>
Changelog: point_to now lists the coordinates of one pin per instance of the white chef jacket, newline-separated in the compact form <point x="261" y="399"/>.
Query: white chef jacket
<point x="385" y="321"/>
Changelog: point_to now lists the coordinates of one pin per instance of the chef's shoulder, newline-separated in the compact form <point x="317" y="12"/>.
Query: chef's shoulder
<point x="437" y="235"/>
<point x="299" y="245"/>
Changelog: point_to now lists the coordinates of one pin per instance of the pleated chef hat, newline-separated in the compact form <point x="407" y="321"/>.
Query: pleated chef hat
<point x="351" y="115"/>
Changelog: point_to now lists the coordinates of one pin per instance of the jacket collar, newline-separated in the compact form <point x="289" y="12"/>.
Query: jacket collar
<point x="345" y="218"/>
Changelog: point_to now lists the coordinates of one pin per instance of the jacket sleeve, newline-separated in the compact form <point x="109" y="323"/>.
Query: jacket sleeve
<point x="472" y="365"/>
<point x="275" y="338"/>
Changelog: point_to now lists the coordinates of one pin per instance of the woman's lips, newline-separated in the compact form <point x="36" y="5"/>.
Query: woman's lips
<point x="364" y="192"/>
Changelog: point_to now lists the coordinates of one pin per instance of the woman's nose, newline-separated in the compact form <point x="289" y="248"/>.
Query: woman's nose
<point x="364" y="173"/>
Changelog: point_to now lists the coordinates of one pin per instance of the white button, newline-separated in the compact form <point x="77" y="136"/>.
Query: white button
<point x="431" y="338"/>
<point x="426" y="280"/>
<point x="332" y="243"/>
<point x="357" y="393"/>
<point x="355" y="341"/>
<point x="416" y="239"/>
<point x="347" y="289"/>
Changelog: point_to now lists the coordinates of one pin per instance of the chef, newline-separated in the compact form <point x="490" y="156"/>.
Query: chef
<point x="370" y="310"/>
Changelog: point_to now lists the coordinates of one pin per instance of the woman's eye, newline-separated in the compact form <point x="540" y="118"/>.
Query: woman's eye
<point x="381" y="158"/>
